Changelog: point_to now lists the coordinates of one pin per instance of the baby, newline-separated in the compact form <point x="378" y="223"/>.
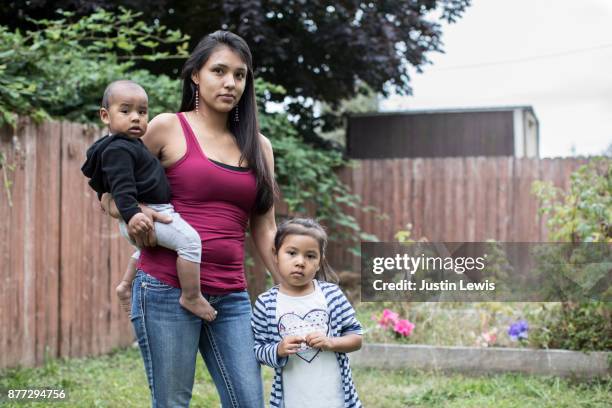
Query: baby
<point x="121" y="165"/>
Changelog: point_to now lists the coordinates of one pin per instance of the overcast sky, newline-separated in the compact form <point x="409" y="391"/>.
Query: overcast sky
<point x="506" y="52"/>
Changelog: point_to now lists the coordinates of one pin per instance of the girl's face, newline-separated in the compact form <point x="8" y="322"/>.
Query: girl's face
<point x="298" y="260"/>
<point x="221" y="80"/>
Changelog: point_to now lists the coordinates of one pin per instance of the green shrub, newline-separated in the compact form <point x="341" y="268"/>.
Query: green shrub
<point x="61" y="69"/>
<point x="584" y="214"/>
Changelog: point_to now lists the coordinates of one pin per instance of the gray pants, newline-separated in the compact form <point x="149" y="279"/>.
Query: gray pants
<point x="178" y="236"/>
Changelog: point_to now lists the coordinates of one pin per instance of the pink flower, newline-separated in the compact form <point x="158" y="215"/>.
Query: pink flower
<point x="388" y="318"/>
<point x="403" y="327"/>
<point x="490" y="337"/>
<point x="487" y="339"/>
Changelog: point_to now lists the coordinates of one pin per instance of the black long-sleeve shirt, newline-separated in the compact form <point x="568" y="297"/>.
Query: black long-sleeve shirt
<point x="122" y="166"/>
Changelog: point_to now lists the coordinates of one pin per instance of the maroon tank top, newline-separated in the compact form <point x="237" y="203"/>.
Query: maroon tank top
<point x="216" y="201"/>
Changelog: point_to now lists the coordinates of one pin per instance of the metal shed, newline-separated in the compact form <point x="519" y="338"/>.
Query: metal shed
<point x="491" y="131"/>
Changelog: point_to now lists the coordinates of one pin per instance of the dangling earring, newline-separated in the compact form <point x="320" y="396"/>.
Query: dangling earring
<point x="236" y="117"/>
<point x="197" y="102"/>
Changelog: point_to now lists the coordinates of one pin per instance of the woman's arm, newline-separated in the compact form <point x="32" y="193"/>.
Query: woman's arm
<point x="263" y="226"/>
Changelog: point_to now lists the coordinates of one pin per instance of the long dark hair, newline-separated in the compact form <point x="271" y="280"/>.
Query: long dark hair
<point x="307" y="226"/>
<point x="246" y="130"/>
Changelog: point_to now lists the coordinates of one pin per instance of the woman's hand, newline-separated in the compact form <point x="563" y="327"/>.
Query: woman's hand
<point x="140" y="223"/>
<point x="144" y="237"/>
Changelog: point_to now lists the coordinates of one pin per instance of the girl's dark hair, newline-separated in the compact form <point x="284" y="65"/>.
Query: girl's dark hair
<point x="246" y="130"/>
<point x="307" y="226"/>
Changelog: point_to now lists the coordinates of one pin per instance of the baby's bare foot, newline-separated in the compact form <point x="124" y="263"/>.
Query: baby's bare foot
<point x="124" y="293"/>
<point x="199" y="306"/>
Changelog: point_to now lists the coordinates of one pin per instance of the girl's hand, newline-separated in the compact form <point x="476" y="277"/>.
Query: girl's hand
<point x="289" y="345"/>
<point x="320" y="340"/>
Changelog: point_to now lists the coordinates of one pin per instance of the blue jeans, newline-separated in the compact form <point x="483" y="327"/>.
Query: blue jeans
<point x="170" y="336"/>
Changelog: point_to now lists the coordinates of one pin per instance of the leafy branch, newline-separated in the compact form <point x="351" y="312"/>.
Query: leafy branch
<point x="61" y="68"/>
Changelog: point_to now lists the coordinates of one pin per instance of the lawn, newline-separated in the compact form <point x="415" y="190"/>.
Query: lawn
<point x="118" y="380"/>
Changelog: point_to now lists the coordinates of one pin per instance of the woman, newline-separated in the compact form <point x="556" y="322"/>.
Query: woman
<point x="221" y="172"/>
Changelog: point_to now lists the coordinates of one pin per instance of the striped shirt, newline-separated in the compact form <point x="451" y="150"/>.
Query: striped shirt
<point x="267" y="338"/>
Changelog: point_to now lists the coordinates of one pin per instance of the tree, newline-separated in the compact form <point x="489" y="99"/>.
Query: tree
<point x="316" y="50"/>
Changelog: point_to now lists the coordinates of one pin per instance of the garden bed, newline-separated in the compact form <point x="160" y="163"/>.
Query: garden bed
<point x="484" y="360"/>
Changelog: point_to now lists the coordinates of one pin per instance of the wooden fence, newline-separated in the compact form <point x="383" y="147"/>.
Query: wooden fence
<point x="61" y="257"/>
<point x="466" y="199"/>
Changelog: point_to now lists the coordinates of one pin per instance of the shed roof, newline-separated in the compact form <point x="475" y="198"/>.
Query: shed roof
<point x="446" y="110"/>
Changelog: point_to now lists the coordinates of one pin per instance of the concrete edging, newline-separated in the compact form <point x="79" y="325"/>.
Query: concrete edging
<point x="477" y="360"/>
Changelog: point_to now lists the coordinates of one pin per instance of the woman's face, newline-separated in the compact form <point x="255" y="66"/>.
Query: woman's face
<point x="221" y="80"/>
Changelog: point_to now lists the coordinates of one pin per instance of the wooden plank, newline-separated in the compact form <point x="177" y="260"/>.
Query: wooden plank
<point x="411" y="171"/>
<point x="434" y="220"/>
<point x="461" y="200"/>
<point x="351" y="262"/>
<point x="47" y="229"/>
<point x="502" y="208"/>
<point x="7" y="247"/>
<point x="396" y="198"/>
<point x="479" y="198"/>
<point x="16" y="220"/>
<point x="530" y="207"/>
<point x="447" y="201"/>
<point x="67" y="287"/>
<point x="375" y="195"/>
<point x="511" y="197"/>
<point x="28" y="290"/>
<point x="489" y="188"/>
<point x="381" y="197"/>
<point x="365" y="186"/>
<point x="470" y="199"/>
<point x="406" y="184"/>
<point x="522" y="198"/>
<point x="439" y="198"/>
<point x="113" y="268"/>
<point x="450" y="203"/>
<point x="417" y="197"/>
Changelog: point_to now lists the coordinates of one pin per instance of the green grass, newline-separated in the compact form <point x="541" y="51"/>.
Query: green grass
<point x="118" y="380"/>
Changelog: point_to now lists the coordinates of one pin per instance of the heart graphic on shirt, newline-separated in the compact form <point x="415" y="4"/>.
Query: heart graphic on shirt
<point x="291" y="324"/>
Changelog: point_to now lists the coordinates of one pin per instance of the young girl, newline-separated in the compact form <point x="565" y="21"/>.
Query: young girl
<point x="305" y="326"/>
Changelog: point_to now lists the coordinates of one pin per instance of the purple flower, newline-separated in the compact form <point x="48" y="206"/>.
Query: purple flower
<point x="518" y="330"/>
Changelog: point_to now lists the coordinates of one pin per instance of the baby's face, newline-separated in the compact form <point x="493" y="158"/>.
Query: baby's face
<point x="127" y="112"/>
